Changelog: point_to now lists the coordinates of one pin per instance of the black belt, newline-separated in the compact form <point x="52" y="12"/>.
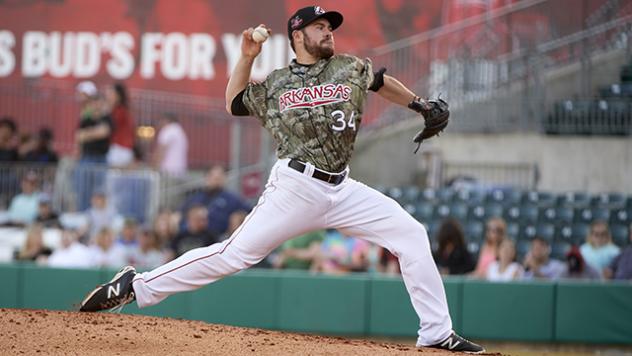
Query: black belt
<point x="334" y="179"/>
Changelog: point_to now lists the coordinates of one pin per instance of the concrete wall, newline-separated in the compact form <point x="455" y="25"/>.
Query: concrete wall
<point x="593" y="164"/>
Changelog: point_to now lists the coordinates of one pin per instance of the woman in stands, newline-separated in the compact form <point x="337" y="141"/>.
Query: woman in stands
<point x="506" y="268"/>
<point x="452" y="256"/>
<point x="598" y="251"/>
<point x="495" y="233"/>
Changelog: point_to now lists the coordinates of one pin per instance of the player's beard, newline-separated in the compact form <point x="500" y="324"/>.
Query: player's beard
<point x="317" y="49"/>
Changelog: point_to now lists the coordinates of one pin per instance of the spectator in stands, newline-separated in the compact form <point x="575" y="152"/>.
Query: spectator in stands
<point x="104" y="252"/>
<point x="577" y="268"/>
<point x="33" y="248"/>
<point x="298" y="253"/>
<point x="537" y="263"/>
<point x="172" y="146"/>
<point x="23" y="207"/>
<point x="165" y="226"/>
<point x="120" y="153"/>
<point x="452" y="256"/>
<point x="8" y="140"/>
<point x="148" y="254"/>
<point x="196" y="233"/>
<point x="598" y="251"/>
<point x="39" y="148"/>
<point x="100" y="215"/>
<point x="505" y="268"/>
<point x="388" y="263"/>
<point x="45" y="213"/>
<point x="234" y="222"/>
<point x="220" y="202"/>
<point x="128" y="238"/>
<point x="495" y="234"/>
<point x="340" y="254"/>
<point x="621" y="267"/>
<point x="71" y="253"/>
<point x="93" y="139"/>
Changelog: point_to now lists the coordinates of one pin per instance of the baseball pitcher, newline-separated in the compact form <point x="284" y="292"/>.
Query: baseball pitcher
<point x="313" y="109"/>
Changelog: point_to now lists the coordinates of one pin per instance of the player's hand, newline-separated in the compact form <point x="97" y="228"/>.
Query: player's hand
<point x="249" y="47"/>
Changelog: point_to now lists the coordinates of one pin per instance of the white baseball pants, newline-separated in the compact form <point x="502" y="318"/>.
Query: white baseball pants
<point x="293" y="204"/>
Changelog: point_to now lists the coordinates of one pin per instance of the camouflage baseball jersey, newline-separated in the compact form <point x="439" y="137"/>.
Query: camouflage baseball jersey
<point x="313" y="112"/>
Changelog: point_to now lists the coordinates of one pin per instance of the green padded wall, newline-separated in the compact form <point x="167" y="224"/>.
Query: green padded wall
<point x="391" y="312"/>
<point x="588" y="312"/>
<point x="10" y="293"/>
<point x="326" y="304"/>
<point x="59" y="289"/>
<point x="247" y="299"/>
<point x="509" y="311"/>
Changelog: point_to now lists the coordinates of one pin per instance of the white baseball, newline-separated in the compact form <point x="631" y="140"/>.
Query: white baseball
<point x="260" y="34"/>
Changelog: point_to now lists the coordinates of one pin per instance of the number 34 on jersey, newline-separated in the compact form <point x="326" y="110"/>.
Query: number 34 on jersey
<point x="342" y="122"/>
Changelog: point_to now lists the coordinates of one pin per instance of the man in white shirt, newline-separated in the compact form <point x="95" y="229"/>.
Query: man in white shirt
<point x="173" y="145"/>
<point x="23" y="207"/>
<point x="71" y="253"/>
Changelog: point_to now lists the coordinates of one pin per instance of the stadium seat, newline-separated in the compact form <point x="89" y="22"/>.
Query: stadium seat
<point x="559" y="249"/>
<point x="512" y="213"/>
<point x="609" y="200"/>
<point x="528" y="231"/>
<point x="541" y="199"/>
<point x="564" y="233"/>
<point x="424" y="212"/>
<point x="445" y="195"/>
<point x="564" y="215"/>
<point x="514" y="197"/>
<point x="529" y="213"/>
<point x="584" y="215"/>
<point x="410" y="209"/>
<point x="443" y="211"/>
<point x="574" y="200"/>
<point x="620" y="235"/>
<point x="547" y="214"/>
<point x="620" y="216"/>
<point x="474" y="231"/>
<point x="459" y="211"/>
<point x="493" y="210"/>
<point x="471" y="196"/>
<point x="411" y="194"/>
<point x="545" y="231"/>
<point x="429" y="195"/>
<point x="579" y="233"/>
<point x="602" y="214"/>
<point x="522" y="247"/>
<point x="513" y="230"/>
<point x="395" y="193"/>
<point x="473" y="247"/>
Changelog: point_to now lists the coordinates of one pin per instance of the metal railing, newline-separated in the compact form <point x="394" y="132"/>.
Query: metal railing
<point x="491" y="67"/>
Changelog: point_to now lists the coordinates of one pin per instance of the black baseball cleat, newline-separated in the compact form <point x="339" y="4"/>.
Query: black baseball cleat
<point x="111" y="296"/>
<point x="456" y="343"/>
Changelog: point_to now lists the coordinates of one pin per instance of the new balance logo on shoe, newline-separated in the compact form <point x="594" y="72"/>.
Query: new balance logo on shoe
<point x="116" y="291"/>
<point x="450" y="343"/>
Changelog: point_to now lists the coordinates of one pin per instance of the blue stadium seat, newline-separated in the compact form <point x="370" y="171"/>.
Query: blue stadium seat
<point x="471" y="196"/>
<point x="564" y="215"/>
<point x="513" y="230"/>
<point x="512" y="213"/>
<point x="411" y="194"/>
<point x="514" y="197"/>
<point x="579" y="233"/>
<point x="443" y="211"/>
<point x="564" y="233"/>
<point x="528" y="231"/>
<point x="410" y="209"/>
<point x="522" y="247"/>
<point x="459" y="211"/>
<point x="473" y="247"/>
<point x="545" y="231"/>
<point x="609" y="200"/>
<point x="602" y="214"/>
<point x="584" y="215"/>
<point x="474" y="231"/>
<point x="559" y="249"/>
<point x="429" y="195"/>
<point x="548" y="215"/>
<point x="424" y="212"/>
<point x="395" y="193"/>
<point x="574" y="200"/>
<point x="477" y="212"/>
<point x="446" y="195"/>
<point x="541" y="199"/>
<point x="620" y="235"/>
<point x="529" y="213"/>
<point x="620" y="216"/>
<point x="493" y="210"/>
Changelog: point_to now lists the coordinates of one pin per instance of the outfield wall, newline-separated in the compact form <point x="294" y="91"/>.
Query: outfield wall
<point x="358" y="304"/>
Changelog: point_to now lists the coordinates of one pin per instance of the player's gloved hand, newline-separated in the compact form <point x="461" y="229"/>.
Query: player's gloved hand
<point x="436" y="117"/>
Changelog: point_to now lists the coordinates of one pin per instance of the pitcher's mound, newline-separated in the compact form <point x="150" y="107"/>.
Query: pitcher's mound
<point x="43" y="332"/>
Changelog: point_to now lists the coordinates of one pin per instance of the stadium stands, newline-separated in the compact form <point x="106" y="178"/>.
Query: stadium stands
<point x="563" y="219"/>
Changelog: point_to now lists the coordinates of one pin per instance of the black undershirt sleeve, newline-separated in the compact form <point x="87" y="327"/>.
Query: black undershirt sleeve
<point x="378" y="80"/>
<point x="237" y="107"/>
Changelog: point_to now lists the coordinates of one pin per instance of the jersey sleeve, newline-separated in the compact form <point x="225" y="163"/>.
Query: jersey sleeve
<point x="365" y="72"/>
<point x="254" y="99"/>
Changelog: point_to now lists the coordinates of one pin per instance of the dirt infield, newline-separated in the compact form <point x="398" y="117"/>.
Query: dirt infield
<point x="43" y="332"/>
